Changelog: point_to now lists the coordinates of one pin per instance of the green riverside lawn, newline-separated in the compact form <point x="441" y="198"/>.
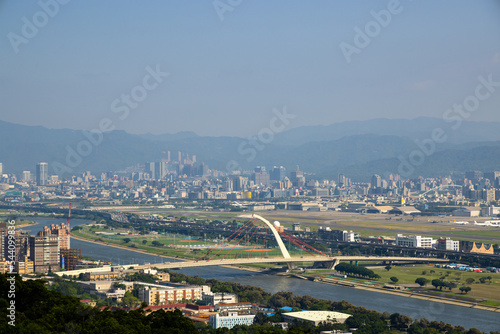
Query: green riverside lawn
<point x="407" y="275"/>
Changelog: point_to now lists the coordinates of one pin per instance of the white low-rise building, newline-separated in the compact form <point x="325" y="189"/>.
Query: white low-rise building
<point x="415" y="241"/>
<point x="315" y="317"/>
<point x="218" y="298"/>
<point x="448" y="244"/>
<point x="230" y="319"/>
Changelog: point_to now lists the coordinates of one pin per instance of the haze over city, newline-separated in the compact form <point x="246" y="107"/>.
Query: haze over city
<point x="250" y="166"/>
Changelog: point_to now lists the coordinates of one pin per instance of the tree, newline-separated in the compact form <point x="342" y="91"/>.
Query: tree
<point x="431" y="331"/>
<point x="437" y="283"/>
<point x="260" y="318"/>
<point x="482" y="280"/>
<point x="400" y="321"/>
<point x="144" y="242"/>
<point x="421" y="281"/>
<point x="157" y="243"/>
<point x="449" y="285"/>
<point x="129" y="300"/>
<point x="127" y="240"/>
<point x="470" y="280"/>
<point x="388" y="267"/>
<point x="465" y="289"/>
<point x="394" y="279"/>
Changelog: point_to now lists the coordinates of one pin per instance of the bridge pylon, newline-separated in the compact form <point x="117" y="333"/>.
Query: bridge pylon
<point x="281" y="245"/>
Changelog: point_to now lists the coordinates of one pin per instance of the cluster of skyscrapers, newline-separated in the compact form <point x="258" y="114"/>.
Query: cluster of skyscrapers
<point x="48" y="251"/>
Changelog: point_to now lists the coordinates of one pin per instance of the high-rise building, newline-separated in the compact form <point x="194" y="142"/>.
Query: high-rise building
<point x="22" y="245"/>
<point x="21" y="249"/>
<point x="62" y="232"/>
<point x="376" y="181"/>
<point x="150" y="168"/>
<point x="161" y="169"/>
<point x="297" y="178"/>
<point x="261" y="177"/>
<point x="26" y="176"/>
<point x="228" y="184"/>
<point x="240" y="183"/>
<point x="493" y="177"/>
<point x="343" y="181"/>
<point x="202" y="169"/>
<point x="42" y="173"/>
<point x="3" y="240"/>
<point x="1" y="169"/>
<point x="44" y="252"/>
<point x="278" y="173"/>
<point x="473" y="175"/>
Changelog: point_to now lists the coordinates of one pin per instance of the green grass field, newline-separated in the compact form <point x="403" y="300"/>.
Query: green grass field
<point x="407" y="275"/>
<point x="179" y="245"/>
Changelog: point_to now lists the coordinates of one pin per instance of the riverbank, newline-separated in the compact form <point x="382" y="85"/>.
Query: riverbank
<point x="332" y="282"/>
<point x="408" y="294"/>
<point x="29" y="223"/>
<point x="132" y="249"/>
<point x="137" y="250"/>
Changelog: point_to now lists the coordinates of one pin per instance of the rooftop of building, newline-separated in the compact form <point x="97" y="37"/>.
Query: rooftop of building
<point x="317" y="315"/>
<point x="234" y="304"/>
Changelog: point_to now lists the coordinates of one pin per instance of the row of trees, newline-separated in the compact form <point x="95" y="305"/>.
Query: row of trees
<point x="439" y="283"/>
<point x="350" y="269"/>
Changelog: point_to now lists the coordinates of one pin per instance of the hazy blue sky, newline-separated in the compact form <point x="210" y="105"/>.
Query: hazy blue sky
<point x="226" y="75"/>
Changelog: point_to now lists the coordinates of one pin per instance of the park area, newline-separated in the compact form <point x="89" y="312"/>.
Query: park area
<point x="483" y="286"/>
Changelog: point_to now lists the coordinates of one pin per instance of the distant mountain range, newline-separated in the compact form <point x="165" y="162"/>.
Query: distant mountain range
<point x="356" y="148"/>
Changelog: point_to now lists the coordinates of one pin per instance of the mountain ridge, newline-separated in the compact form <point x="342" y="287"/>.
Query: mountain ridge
<point x="361" y="154"/>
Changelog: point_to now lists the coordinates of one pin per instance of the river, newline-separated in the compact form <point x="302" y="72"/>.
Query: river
<point x="416" y="308"/>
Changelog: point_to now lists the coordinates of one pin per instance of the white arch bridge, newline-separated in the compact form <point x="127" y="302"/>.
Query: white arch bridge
<point x="326" y="261"/>
<point x="330" y="262"/>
